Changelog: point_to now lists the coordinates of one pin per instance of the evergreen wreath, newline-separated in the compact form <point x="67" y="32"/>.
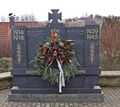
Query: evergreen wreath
<point x="52" y="53"/>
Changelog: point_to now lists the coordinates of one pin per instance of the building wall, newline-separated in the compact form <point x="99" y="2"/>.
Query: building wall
<point x="5" y="36"/>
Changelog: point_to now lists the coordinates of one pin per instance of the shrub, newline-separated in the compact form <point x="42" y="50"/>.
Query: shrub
<point x="104" y="64"/>
<point x="5" y="49"/>
<point x="110" y="43"/>
<point x="5" y="64"/>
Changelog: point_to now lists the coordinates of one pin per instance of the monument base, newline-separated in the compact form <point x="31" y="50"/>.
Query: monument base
<point x="23" y="96"/>
<point x="61" y="98"/>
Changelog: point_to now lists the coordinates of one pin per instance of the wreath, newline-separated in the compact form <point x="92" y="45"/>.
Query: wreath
<point x="55" y="60"/>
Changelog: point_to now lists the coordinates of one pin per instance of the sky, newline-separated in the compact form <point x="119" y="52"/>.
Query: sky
<point x="69" y="8"/>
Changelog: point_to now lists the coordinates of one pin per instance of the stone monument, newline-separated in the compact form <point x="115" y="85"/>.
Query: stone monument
<point x="31" y="87"/>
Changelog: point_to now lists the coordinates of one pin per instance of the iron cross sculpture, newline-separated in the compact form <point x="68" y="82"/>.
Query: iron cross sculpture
<point x="55" y="16"/>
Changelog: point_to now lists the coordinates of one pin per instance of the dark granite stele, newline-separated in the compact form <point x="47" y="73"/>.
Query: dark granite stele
<point x="30" y="87"/>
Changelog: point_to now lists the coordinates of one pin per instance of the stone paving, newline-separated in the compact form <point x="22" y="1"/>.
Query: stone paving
<point x="111" y="99"/>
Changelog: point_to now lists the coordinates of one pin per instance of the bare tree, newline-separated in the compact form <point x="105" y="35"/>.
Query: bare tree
<point x="3" y="19"/>
<point x="17" y="19"/>
<point x="110" y="41"/>
<point x="26" y="18"/>
<point x="97" y="16"/>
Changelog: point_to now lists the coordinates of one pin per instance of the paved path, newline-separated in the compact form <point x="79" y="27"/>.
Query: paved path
<point x="111" y="99"/>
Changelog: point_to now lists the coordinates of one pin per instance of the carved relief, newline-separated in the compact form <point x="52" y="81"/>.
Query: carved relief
<point x="92" y="52"/>
<point x="19" y="35"/>
<point x="55" y="30"/>
<point x="18" y="53"/>
<point x="92" y="34"/>
<point x="74" y="31"/>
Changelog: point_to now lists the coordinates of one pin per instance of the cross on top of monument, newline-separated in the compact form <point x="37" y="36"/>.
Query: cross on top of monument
<point x="55" y="15"/>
